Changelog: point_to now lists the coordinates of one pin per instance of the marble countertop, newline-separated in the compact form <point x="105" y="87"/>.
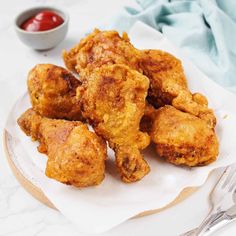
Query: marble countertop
<point x="21" y="214"/>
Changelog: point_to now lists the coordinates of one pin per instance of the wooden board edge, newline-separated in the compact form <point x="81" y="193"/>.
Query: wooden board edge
<point x="40" y="196"/>
<point x="25" y="183"/>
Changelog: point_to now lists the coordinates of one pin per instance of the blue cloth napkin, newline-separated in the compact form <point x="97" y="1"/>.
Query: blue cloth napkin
<point x="204" y="29"/>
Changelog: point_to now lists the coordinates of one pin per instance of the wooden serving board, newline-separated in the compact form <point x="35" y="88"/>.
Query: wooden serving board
<point x="40" y="196"/>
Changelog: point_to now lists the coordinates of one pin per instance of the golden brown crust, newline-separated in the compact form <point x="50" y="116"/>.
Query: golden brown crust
<point x="195" y="104"/>
<point x="168" y="85"/>
<point x="166" y="76"/>
<point x="76" y="156"/>
<point x="182" y="138"/>
<point x="148" y="118"/>
<point x="28" y="127"/>
<point x="102" y="48"/>
<point x="52" y="91"/>
<point x="119" y="101"/>
<point x="113" y="100"/>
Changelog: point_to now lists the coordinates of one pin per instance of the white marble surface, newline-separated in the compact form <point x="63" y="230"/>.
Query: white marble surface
<point x="20" y="214"/>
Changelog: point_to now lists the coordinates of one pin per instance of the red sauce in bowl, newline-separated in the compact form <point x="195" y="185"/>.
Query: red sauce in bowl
<point x="44" y="20"/>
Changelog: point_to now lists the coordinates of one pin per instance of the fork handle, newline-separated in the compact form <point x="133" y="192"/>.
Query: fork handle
<point x="212" y="222"/>
<point x="209" y="225"/>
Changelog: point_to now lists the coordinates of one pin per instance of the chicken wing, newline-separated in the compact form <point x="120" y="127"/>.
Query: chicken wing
<point x="52" y="91"/>
<point x="166" y="76"/>
<point x="168" y="85"/>
<point x="182" y="138"/>
<point x="113" y="100"/>
<point x="76" y="156"/>
<point x="99" y="48"/>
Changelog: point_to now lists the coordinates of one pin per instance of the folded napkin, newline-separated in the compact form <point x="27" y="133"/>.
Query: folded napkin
<point x="204" y="29"/>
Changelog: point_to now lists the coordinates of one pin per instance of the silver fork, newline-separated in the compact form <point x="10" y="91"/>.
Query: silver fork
<point x="223" y="203"/>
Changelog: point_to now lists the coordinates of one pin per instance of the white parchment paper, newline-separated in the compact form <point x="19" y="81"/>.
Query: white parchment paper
<point x="98" y="209"/>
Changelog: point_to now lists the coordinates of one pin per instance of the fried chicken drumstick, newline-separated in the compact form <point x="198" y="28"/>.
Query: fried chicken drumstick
<point x="76" y="156"/>
<point x="52" y="91"/>
<point x="113" y="100"/>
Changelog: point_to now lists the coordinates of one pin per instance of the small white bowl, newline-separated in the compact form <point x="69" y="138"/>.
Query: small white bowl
<point x="42" y="40"/>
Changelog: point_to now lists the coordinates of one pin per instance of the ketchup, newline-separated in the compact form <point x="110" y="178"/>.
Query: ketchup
<point x="44" y="20"/>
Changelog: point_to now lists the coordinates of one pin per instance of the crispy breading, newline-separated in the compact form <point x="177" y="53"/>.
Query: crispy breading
<point x="76" y="156"/>
<point x="113" y="100"/>
<point x="148" y="118"/>
<point x="100" y="48"/>
<point x="52" y="91"/>
<point x="166" y="76"/>
<point x="168" y="85"/>
<point x="195" y="104"/>
<point x="127" y="95"/>
<point x="182" y="138"/>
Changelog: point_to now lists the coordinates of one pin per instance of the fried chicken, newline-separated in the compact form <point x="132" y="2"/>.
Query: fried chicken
<point x="148" y="118"/>
<point x="76" y="156"/>
<point x="195" y="104"/>
<point x="100" y="48"/>
<point x="168" y="85"/>
<point x="113" y="100"/>
<point x="182" y="138"/>
<point x="52" y="91"/>
<point x="166" y="76"/>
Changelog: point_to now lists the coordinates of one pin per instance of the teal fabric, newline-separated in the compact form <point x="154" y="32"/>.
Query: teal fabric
<point x="204" y="29"/>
